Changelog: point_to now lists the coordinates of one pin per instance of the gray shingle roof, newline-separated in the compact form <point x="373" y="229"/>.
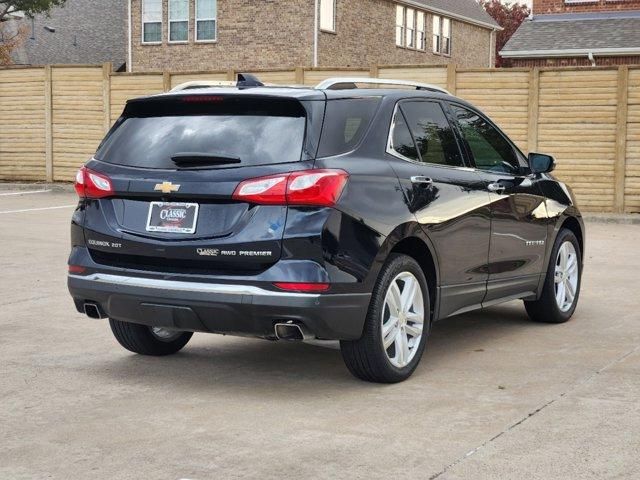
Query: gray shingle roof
<point x="86" y="31"/>
<point x="469" y="9"/>
<point x="575" y="32"/>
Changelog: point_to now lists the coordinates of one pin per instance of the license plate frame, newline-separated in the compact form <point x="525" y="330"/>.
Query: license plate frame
<point x="173" y="223"/>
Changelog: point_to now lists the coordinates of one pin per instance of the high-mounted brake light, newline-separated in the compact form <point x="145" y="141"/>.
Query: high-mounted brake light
<point x="308" y="187"/>
<point x="203" y="99"/>
<point x="90" y="184"/>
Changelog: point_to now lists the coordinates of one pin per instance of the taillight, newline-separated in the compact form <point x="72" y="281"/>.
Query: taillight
<point x="308" y="187"/>
<point x="90" y="184"/>
<point x="265" y="190"/>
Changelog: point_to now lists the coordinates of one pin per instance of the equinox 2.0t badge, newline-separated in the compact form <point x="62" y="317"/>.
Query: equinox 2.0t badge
<point x="166" y="187"/>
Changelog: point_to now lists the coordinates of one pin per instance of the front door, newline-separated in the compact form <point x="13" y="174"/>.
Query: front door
<point x="447" y="198"/>
<point x="518" y="211"/>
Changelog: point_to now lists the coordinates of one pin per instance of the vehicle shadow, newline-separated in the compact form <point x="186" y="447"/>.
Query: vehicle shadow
<point x="277" y="369"/>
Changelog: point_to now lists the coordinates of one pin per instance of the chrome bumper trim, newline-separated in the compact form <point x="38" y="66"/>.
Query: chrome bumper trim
<point x="176" y="285"/>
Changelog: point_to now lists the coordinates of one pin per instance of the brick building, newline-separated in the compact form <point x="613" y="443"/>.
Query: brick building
<point x="249" y="34"/>
<point x="577" y="33"/>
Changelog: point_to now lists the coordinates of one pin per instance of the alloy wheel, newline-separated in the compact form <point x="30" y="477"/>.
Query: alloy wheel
<point x="402" y="319"/>
<point x="566" y="276"/>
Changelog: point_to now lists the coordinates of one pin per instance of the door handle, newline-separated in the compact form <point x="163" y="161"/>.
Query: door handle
<point x="420" y="180"/>
<point x="496" y="187"/>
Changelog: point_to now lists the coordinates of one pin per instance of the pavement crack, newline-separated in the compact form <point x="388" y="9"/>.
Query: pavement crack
<point x="24" y="300"/>
<point x="516" y="424"/>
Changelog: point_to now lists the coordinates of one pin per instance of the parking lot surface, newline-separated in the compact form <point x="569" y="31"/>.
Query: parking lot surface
<point x="496" y="396"/>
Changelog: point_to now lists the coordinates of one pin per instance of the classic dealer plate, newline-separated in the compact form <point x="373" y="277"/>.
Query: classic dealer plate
<point x="169" y="217"/>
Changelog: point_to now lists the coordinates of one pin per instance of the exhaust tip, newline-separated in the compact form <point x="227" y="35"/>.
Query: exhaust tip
<point x="290" y="332"/>
<point x="92" y="310"/>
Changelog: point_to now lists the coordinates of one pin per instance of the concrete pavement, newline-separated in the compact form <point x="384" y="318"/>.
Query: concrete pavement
<point x="496" y="396"/>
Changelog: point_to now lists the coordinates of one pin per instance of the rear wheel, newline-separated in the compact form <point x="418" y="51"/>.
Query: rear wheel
<point x="397" y="325"/>
<point x="562" y="283"/>
<point x="155" y="341"/>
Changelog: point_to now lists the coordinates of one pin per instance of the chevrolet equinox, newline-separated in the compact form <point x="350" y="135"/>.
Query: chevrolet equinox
<point x="335" y="213"/>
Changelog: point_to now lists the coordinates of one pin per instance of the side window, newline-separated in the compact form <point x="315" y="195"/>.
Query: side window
<point x="345" y="124"/>
<point x="401" y="139"/>
<point x="433" y="136"/>
<point x="490" y="149"/>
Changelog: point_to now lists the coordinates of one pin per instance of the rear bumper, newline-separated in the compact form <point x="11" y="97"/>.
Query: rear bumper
<point x="235" y="309"/>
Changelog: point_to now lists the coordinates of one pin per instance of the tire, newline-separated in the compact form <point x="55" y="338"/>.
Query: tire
<point x="547" y="308"/>
<point x="367" y="357"/>
<point x="142" y="339"/>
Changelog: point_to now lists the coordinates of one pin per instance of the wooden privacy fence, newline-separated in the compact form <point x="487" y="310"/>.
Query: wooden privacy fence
<point x="52" y="118"/>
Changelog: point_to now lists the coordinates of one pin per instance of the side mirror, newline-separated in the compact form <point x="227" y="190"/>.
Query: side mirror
<point x="541" y="163"/>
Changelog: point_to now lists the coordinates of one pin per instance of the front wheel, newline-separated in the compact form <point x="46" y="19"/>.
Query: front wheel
<point x="397" y="325"/>
<point x="155" y="341"/>
<point x="561" y="288"/>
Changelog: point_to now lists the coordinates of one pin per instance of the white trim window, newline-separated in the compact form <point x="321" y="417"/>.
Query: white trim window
<point x="446" y="36"/>
<point x="400" y="25"/>
<point x="421" y="30"/>
<point x="206" y="20"/>
<point x="151" y="21"/>
<point x="410" y="28"/>
<point x="178" y="21"/>
<point x="441" y="35"/>
<point x="328" y="15"/>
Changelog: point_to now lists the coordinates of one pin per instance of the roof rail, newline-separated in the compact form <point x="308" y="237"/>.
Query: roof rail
<point x="202" y="84"/>
<point x="346" y="83"/>
<point x="244" y="80"/>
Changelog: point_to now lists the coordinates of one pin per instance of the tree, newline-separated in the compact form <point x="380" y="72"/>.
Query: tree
<point x="11" y="38"/>
<point x="28" y="7"/>
<point x="509" y="16"/>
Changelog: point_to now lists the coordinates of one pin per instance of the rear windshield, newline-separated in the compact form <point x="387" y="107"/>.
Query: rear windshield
<point x="213" y="130"/>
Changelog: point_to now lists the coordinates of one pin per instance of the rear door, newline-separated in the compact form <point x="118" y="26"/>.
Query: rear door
<point x="447" y="198"/>
<point x="518" y="211"/>
<point x="174" y="165"/>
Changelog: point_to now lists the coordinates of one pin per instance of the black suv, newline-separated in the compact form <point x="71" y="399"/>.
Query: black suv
<point x="332" y="213"/>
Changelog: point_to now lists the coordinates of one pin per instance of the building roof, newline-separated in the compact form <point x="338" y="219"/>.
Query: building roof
<point x="80" y="32"/>
<point x="465" y="10"/>
<point x="567" y="35"/>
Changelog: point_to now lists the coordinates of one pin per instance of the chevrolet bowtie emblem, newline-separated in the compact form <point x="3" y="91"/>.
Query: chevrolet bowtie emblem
<point x="166" y="187"/>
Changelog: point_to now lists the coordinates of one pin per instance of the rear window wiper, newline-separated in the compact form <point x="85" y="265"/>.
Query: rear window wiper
<point x="194" y="159"/>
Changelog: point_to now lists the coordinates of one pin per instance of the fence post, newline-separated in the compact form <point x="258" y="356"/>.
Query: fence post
<point x="452" y="79"/>
<point x="231" y="75"/>
<point x="106" y="94"/>
<point x="374" y="71"/>
<point x="299" y="76"/>
<point x="166" y="81"/>
<point x="621" y="139"/>
<point x="48" y="123"/>
<point x="534" y="109"/>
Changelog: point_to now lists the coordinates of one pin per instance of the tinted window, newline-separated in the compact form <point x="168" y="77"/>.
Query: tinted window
<point x="401" y="139"/>
<point x="256" y="136"/>
<point x="432" y="133"/>
<point x="345" y="123"/>
<point x="491" y="151"/>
